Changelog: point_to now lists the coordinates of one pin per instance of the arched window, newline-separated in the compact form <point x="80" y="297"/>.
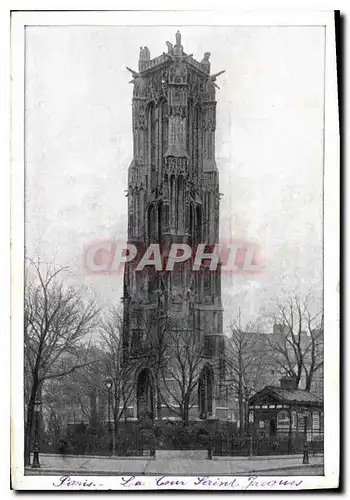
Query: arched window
<point x="207" y="282"/>
<point x="160" y="222"/>
<point x="198" y="225"/>
<point x="191" y="224"/>
<point x="180" y="204"/>
<point x="131" y="223"/>
<point x="205" y="392"/>
<point x="165" y="220"/>
<point x="144" y="392"/>
<point x="166" y="187"/>
<point x="197" y="137"/>
<point x="164" y="112"/>
<point x="151" y="224"/>
<point x="190" y="130"/>
<point x="152" y="143"/>
<point x="135" y="340"/>
<point x="173" y="201"/>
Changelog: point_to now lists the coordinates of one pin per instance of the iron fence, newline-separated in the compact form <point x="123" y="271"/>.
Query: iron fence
<point x="226" y="445"/>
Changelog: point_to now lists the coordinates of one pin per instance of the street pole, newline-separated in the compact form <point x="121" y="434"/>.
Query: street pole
<point x="210" y="447"/>
<point x="36" y="462"/>
<point x="306" y="448"/>
<point x="113" y="430"/>
<point x="251" y="444"/>
<point x="250" y="424"/>
<point x="109" y="384"/>
<point x="158" y="346"/>
<point x="109" y="417"/>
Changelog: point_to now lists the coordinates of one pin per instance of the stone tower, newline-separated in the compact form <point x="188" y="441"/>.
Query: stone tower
<point x="173" y="197"/>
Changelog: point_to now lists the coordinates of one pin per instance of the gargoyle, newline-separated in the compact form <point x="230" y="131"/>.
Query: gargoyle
<point x="135" y="74"/>
<point x="212" y="78"/>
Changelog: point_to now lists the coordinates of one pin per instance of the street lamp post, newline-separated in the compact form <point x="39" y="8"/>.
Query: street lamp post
<point x="251" y="423"/>
<point x="109" y="384"/>
<point x="36" y="462"/>
<point x="306" y="447"/>
<point x="209" y="419"/>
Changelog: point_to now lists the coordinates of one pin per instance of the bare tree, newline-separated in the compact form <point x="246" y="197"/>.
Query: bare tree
<point x="298" y="346"/>
<point x="56" y="322"/>
<point x="180" y="371"/>
<point x="248" y="366"/>
<point x="66" y="399"/>
<point x="73" y="398"/>
<point x="112" y="364"/>
<point x="313" y="359"/>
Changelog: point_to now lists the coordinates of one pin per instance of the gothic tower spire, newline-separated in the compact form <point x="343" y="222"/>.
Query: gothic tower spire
<point x="173" y="197"/>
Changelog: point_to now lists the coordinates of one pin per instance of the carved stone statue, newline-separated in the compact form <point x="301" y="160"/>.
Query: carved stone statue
<point x="170" y="48"/>
<point x="178" y="38"/>
<point x="205" y="59"/>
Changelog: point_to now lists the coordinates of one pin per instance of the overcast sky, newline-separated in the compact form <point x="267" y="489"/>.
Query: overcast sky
<point x="269" y="147"/>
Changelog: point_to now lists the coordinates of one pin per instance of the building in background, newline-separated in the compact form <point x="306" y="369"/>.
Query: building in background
<point x="270" y="359"/>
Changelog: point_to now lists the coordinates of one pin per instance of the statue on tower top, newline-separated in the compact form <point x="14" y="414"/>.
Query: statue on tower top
<point x="170" y="48"/>
<point x="178" y="38"/>
<point x="178" y="48"/>
<point x="205" y="61"/>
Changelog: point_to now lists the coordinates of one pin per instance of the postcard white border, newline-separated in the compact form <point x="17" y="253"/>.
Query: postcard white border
<point x="331" y="216"/>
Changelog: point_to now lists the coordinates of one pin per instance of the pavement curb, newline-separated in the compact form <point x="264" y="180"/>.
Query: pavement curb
<point x="260" y="457"/>
<point x="69" y="472"/>
<point x="139" y="457"/>
<point x="290" y="467"/>
<point x="98" y="457"/>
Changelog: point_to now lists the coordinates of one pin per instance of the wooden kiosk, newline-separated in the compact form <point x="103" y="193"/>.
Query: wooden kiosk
<point x="285" y="420"/>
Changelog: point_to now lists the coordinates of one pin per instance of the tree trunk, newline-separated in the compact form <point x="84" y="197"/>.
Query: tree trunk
<point x="299" y="373"/>
<point x="27" y="443"/>
<point x="185" y="412"/>
<point x="290" y="436"/>
<point x="159" y="403"/>
<point x="241" y="417"/>
<point x="240" y="406"/>
<point x="29" y="428"/>
<point x="31" y="404"/>
<point x="115" y="436"/>
<point x="308" y="382"/>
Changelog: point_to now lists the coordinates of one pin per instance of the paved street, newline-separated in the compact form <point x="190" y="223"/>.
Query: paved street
<point x="79" y="465"/>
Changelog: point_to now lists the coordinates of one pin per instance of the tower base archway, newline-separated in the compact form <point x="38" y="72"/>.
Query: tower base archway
<point x="205" y="392"/>
<point x="145" y="394"/>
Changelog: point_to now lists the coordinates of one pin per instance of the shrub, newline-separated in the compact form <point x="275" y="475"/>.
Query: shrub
<point x="132" y="437"/>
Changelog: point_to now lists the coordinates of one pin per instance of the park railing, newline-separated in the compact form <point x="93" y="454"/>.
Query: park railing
<point x="131" y="440"/>
<point x="244" y="446"/>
